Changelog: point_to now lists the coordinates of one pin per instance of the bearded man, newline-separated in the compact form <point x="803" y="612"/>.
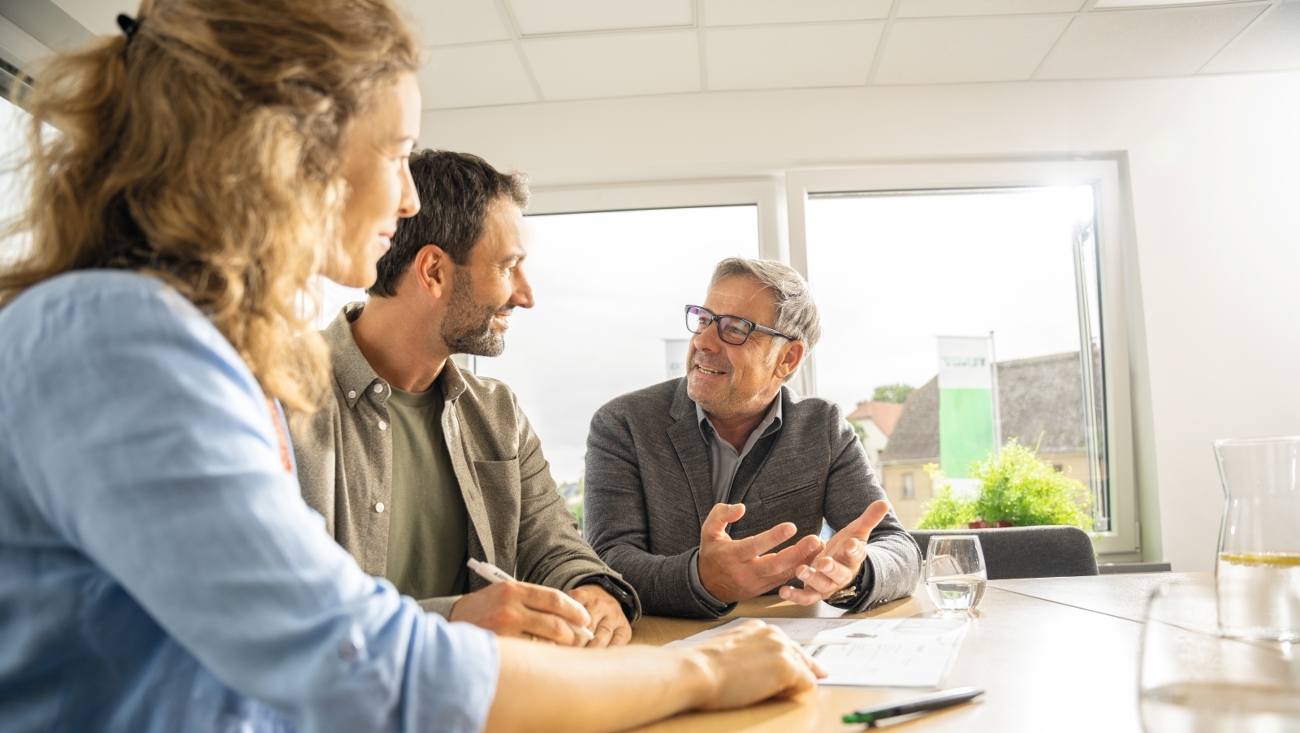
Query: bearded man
<point x="419" y="466"/>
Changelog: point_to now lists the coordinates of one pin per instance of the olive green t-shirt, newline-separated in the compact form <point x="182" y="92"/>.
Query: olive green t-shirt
<point x="428" y="530"/>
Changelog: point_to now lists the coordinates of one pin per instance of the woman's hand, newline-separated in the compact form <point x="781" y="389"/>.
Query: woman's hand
<point x="752" y="663"/>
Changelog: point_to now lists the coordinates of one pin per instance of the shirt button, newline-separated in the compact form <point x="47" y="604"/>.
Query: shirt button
<point x="380" y="507"/>
<point x="383" y="425"/>
<point x="379" y="388"/>
<point x="352" y="394"/>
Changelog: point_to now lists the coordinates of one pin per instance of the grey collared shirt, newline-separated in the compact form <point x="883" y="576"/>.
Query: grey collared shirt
<point x="724" y="461"/>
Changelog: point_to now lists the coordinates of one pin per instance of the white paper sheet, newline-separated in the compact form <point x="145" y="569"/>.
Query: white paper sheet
<point x="884" y="652"/>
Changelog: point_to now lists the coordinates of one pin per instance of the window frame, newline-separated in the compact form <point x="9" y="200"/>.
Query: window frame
<point x="1115" y="261"/>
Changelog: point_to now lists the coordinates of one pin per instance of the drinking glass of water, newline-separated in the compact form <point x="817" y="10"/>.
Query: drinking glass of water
<point x="1193" y="678"/>
<point x="954" y="572"/>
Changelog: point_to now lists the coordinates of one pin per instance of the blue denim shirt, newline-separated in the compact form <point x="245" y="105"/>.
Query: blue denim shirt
<point x="159" y="570"/>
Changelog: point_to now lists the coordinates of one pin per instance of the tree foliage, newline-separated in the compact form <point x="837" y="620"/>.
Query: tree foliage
<point x="896" y="393"/>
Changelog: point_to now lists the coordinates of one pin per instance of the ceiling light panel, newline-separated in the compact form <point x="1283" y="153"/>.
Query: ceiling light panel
<point x="480" y="75"/>
<point x="444" y="22"/>
<point x="545" y="17"/>
<point x="1145" y="43"/>
<point x="956" y="50"/>
<point x="791" y="56"/>
<point x="760" y="12"/>
<point x="959" y="8"/>
<point x="1272" y="44"/>
<point x="615" y="65"/>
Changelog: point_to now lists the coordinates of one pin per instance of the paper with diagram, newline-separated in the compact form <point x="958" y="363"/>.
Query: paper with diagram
<point x="872" y="652"/>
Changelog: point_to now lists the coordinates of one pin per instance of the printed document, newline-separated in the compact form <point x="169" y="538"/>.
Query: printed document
<point x="871" y="652"/>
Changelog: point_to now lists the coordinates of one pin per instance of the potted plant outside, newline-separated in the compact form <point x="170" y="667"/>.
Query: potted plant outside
<point x="1018" y="490"/>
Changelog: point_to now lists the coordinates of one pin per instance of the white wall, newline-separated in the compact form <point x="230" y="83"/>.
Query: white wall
<point x="1215" y="165"/>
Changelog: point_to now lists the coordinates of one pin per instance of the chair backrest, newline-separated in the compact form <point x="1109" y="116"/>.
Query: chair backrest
<point x="1026" y="552"/>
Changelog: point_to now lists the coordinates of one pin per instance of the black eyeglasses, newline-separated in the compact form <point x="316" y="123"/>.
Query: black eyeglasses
<point x="731" y="329"/>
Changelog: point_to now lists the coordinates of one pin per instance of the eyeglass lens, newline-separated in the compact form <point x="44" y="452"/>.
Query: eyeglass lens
<point x="733" y="330"/>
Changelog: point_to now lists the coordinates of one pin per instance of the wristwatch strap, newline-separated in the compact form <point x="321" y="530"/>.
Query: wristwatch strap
<point x="614" y="589"/>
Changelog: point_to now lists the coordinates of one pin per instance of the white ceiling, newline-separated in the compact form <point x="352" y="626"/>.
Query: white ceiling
<point x="496" y="52"/>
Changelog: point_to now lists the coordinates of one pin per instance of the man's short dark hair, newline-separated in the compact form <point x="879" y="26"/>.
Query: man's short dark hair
<point x="456" y="190"/>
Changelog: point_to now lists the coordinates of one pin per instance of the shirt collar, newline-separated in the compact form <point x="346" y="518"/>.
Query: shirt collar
<point x="770" y="423"/>
<point x="354" y="374"/>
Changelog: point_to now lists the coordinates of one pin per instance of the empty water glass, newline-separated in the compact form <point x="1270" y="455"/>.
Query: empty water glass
<point x="954" y="572"/>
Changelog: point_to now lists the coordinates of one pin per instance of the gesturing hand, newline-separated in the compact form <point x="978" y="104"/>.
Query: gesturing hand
<point x="839" y="563"/>
<point x="523" y="610"/>
<point x="733" y="570"/>
<point x="608" y="622"/>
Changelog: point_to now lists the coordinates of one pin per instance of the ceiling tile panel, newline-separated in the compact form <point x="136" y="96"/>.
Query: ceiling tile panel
<point x="760" y="12"/>
<point x="791" y="56"/>
<point x="542" y="17"/>
<point x="1135" y="43"/>
<point x="444" y="22"/>
<point x="616" y="64"/>
<point x="98" y="16"/>
<point x="474" y="76"/>
<point x="1104" y="4"/>
<point x="953" y="50"/>
<point x="958" y="8"/>
<point x="1272" y="44"/>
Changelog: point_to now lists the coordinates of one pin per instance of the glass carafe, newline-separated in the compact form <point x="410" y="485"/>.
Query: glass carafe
<point x="1257" y="577"/>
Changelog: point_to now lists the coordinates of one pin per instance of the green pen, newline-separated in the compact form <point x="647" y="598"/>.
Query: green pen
<point x="936" y="701"/>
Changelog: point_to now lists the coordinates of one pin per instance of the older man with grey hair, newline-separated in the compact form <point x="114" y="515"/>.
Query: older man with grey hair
<point x="691" y="484"/>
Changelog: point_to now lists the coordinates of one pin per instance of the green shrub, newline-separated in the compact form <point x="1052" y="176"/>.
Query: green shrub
<point x="945" y="510"/>
<point x="1017" y="488"/>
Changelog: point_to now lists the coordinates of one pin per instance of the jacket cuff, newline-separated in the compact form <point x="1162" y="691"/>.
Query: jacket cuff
<point x="865" y="582"/>
<point x="440" y="605"/>
<point x="702" y="594"/>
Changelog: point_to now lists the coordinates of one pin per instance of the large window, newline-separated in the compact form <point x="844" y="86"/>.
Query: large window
<point x="1031" y="264"/>
<point x="13" y="190"/>
<point x="609" y="289"/>
<point x="1015" y="268"/>
<point x="1033" y="254"/>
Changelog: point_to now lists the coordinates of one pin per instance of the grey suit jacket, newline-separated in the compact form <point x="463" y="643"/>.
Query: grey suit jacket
<point x="648" y="490"/>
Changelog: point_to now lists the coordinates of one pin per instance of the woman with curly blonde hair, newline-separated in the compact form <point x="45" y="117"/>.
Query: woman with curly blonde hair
<point x="158" y="568"/>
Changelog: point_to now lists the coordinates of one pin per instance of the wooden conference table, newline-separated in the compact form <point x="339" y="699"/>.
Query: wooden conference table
<point x="1057" y="654"/>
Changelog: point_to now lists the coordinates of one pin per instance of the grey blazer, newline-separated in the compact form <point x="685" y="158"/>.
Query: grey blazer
<point x="649" y="488"/>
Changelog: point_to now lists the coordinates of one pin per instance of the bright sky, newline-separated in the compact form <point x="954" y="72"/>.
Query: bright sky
<point x="610" y="288"/>
<point x="890" y="273"/>
<point x="13" y="124"/>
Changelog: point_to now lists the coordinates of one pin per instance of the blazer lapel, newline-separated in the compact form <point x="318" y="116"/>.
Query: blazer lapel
<point x="691" y="451"/>
<point x="751" y="467"/>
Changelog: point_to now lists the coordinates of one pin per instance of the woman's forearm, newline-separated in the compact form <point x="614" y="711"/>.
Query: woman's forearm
<point x="543" y="687"/>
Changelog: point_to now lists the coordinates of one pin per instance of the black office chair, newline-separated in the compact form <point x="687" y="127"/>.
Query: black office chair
<point x="1026" y="552"/>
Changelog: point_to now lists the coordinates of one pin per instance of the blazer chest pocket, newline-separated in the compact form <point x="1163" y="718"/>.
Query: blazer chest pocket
<point x="781" y="493"/>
